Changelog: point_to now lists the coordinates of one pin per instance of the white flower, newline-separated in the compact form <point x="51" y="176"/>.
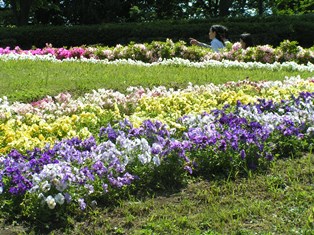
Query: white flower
<point x="59" y="198"/>
<point x="34" y="189"/>
<point x="36" y="179"/>
<point x="51" y="202"/>
<point x="145" y="157"/>
<point x="45" y="186"/>
<point x="310" y="130"/>
<point x="61" y="186"/>
<point x="156" y="160"/>
<point x="94" y="204"/>
<point x="90" y="188"/>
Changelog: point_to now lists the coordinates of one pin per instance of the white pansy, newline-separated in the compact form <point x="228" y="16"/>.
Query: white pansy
<point x="34" y="188"/>
<point x="156" y="160"/>
<point x="45" y="187"/>
<point x="51" y="202"/>
<point x="59" y="198"/>
<point x="310" y="130"/>
<point x="41" y="196"/>
<point x="145" y="158"/>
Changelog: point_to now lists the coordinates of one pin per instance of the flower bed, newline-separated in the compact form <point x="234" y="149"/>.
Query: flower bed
<point x="59" y="152"/>
<point x="156" y="51"/>
<point x="24" y="126"/>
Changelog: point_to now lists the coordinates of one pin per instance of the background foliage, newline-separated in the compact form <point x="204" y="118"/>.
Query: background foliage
<point x="261" y="27"/>
<point x="72" y="12"/>
<point x="28" y="23"/>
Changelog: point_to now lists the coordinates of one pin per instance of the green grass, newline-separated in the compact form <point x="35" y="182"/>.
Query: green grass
<point x="32" y="80"/>
<point x="279" y="201"/>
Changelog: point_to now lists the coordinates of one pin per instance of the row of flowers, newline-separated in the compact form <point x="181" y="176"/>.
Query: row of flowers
<point x="289" y="66"/>
<point x="156" y="50"/>
<point x="227" y="140"/>
<point x="24" y="126"/>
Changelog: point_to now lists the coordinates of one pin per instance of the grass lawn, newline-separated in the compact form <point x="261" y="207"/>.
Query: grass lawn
<point x="32" y="80"/>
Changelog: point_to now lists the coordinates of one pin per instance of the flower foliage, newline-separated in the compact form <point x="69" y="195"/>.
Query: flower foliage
<point x="287" y="51"/>
<point x="25" y="126"/>
<point x="59" y="152"/>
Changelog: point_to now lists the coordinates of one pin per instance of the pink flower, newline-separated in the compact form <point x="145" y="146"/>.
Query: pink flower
<point x="236" y="46"/>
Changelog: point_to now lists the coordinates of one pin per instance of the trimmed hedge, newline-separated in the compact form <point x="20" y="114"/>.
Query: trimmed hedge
<point x="265" y="30"/>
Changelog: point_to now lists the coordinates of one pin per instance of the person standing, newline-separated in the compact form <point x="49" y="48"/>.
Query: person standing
<point x="246" y="40"/>
<point x="217" y="35"/>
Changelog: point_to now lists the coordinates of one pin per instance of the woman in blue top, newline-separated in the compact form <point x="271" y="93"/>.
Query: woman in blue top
<point x="217" y="35"/>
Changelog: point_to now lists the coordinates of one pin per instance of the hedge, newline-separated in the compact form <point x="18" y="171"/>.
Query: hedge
<point x="265" y="30"/>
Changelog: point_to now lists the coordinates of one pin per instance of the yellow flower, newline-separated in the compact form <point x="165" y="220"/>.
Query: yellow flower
<point x="35" y="128"/>
<point x="74" y="118"/>
<point x="41" y="137"/>
<point x="8" y="115"/>
<point x="84" y="133"/>
<point x="71" y="134"/>
<point x="65" y="127"/>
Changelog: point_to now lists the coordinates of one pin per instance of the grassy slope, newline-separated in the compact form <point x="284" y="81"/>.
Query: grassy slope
<point x="280" y="201"/>
<point x="31" y="80"/>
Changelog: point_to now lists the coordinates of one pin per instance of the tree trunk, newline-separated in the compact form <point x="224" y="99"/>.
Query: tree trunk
<point x="224" y="6"/>
<point x="260" y="8"/>
<point x="21" y="10"/>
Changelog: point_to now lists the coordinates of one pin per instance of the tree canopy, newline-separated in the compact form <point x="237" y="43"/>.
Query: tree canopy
<point x="72" y="12"/>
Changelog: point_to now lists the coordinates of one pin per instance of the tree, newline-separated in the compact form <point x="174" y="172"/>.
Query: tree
<point x="149" y="10"/>
<point x="251" y="7"/>
<point x="50" y="13"/>
<point x="166" y="9"/>
<point x="210" y="8"/>
<point x="260" y="7"/>
<point x="105" y="11"/>
<point x="238" y="8"/>
<point x="224" y="6"/>
<point x="94" y="11"/>
<point x="21" y="10"/>
<point x="290" y="7"/>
